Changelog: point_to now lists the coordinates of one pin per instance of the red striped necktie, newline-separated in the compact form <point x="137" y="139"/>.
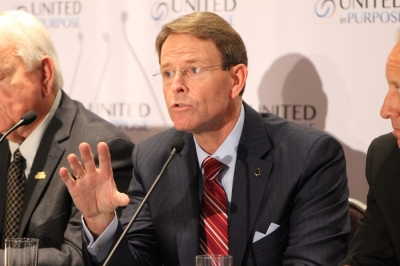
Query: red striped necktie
<point x="214" y="215"/>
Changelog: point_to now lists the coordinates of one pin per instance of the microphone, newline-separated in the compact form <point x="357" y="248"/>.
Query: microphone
<point x="26" y="119"/>
<point x="176" y="148"/>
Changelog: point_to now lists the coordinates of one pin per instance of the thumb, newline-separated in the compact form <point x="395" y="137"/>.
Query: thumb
<point x="122" y="199"/>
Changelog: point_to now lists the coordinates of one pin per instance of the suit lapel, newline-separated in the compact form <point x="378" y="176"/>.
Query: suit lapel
<point x="184" y="186"/>
<point x="250" y="181"/>
<point x="47" y="157"/>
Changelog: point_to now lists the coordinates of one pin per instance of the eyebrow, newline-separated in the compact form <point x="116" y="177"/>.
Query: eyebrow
<point x="190" y="61"/>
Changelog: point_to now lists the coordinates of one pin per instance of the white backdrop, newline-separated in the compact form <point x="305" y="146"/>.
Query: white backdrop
<point x="317" y="62"/>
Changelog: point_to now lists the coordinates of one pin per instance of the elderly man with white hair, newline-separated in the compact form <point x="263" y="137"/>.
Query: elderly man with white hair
<point x="34" y="202"/>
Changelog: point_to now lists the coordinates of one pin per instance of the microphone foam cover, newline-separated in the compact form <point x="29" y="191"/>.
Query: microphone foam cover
<point x="178" y="144"/>
<point x="28" y="118"/>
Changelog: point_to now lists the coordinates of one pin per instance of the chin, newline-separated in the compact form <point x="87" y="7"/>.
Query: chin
<point x="183" y="126"/>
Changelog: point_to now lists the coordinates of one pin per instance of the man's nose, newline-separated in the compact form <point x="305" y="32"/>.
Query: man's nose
<point x="178" y="83"/>
<point x="391" y="105"/>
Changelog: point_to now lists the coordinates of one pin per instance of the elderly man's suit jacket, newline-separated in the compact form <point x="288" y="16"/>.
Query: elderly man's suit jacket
<point x="377" y="239"/>
<point x="48" y="212"/>
<point x="302" y="188"/>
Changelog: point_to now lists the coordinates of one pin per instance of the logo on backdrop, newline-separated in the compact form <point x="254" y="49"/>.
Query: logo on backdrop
<point x="54" y="14"/>
<point x="285" y="90"/>
<point x="325" y="8"/>
<point x="164" y="10"/>
<point x="357" y="12"/>
<point x="159" y="11"/>
<point x="128" y="115"/>
<point x="302" y="113"/>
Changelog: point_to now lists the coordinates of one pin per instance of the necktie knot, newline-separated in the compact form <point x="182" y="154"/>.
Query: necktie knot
<point x="212" y="168"/>
<point x="17" y="157"/>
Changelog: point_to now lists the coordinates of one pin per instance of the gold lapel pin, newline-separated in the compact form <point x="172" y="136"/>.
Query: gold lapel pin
<point x="257" y="172"/>
<point x="40" y="175"/>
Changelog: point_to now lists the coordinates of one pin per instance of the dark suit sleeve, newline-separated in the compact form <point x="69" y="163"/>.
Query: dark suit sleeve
<point x="319" y="224"/>
<point x="371" y="244"/>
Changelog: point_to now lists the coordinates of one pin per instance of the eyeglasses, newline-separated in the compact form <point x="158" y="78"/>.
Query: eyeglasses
<point x="192" y="73"/>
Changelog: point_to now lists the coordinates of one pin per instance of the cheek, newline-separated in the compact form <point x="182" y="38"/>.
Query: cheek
<point x="23" y="97"/>
<point x="218" y="97"/>
<point x="27" y="87"/>
<point x="167" y="93"/>
<point x="6" y="92"/>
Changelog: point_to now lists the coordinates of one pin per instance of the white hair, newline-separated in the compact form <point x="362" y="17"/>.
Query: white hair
<point x="30" y="40"/>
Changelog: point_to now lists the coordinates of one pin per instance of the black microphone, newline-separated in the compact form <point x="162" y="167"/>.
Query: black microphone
<point x="26" y="119"/>
<point x="176" y="148"/>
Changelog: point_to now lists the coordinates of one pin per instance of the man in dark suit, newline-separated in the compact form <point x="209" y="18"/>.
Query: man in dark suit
<point x="285" y="184"/>
<point x="377" y="239"/>
<point x="31" y="80"/>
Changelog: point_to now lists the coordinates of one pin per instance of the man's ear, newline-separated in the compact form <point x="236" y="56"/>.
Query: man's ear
<point x="239" y="76"/>
<point x="47" y="78"/>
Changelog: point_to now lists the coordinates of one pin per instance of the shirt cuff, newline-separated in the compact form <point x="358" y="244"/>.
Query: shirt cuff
<point x="100" y="248"/>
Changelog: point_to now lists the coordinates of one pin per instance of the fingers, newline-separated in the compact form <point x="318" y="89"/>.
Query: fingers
<point x="104" y="158"/>
<point x="87" y="160"/>
<point x="66" y="177"/>
<point x="88" y="165"/>
<point x="76" y="166"/>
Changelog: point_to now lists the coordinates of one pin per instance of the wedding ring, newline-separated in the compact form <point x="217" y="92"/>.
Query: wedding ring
<point x="80" y="176"/>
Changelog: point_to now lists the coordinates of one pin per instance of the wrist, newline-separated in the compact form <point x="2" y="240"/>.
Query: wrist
<point x="99" y="223"/>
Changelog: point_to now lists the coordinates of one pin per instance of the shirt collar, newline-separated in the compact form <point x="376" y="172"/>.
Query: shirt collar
<point x="228" y="148"/>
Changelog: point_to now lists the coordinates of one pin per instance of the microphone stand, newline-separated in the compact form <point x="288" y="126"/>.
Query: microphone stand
<point x="173" y="152"/>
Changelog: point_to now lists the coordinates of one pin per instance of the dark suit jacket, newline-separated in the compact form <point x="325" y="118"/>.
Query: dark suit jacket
<point x="48" y="212"/>
<point x="302" y="188"/>
<point x="377" y="239"/>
